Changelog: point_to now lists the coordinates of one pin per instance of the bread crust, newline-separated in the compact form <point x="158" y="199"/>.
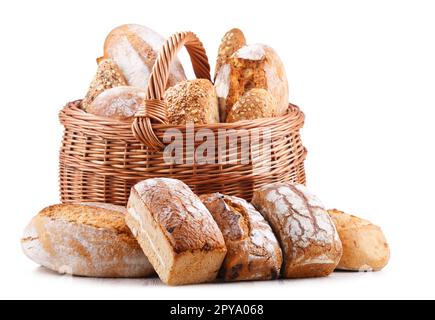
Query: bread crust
<point x="310" y="243"/>
<point x="120" y="103"/>
<point x="85" y="240"/>
<point x="253" y="250"/>
<point x="365" y="247"/>
<point x="192" y="101"/>
<point x="232" y="41"/>
<point x="135" y="48"/>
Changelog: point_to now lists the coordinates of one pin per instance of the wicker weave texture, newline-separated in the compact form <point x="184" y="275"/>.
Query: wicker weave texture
<point x="102" y="158"/>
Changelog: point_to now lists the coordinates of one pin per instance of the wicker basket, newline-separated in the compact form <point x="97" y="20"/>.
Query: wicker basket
<point x="101" y="158"/>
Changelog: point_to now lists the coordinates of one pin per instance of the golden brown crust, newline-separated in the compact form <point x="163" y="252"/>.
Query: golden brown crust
<point x="253" y="251"/>
<point x="232" y="41"/>
<point x="365" y="247"/>
<point x="108" y="76"/>
<point x="192" y="101"/>
<point x="255" y="104"/>
<point x="182" y="217"/>
<point x="308" y="238"/>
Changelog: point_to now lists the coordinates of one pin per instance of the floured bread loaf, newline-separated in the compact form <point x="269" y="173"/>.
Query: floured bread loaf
<point x="108" y="76"/>
<point x="253" y="66"/>
<point x="135" y="49"/>
<point x="255" y="104"/>
<point x="232" y="41"/>
<point x="192" y="101"/>
<point x="365" y="247"/>
<point x="309" y="240"/>
<point x="176" y="231"/>
<point x="253" y="250"/>
<point x="89" y="240"/>
<point x="119" y="103"/>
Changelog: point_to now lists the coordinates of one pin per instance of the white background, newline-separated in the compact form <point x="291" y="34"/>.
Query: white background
<point x="363" y="72"/>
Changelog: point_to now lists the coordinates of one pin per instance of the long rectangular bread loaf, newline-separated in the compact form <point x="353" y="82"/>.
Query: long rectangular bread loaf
<point x="176" y="231"/>
<point x="308" y="237"/>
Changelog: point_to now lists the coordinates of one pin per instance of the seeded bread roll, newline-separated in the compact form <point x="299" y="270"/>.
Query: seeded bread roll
<point x="192" y="101"/>
<point x="231" y="42"/>
<point x="365" y="247"/>
<point x="89" y="240"/>
<point x="255" y="104"/>
<point x="253" y="250"/>
<point x="308" y="238"/>
<point x="176" y="231"/>
<point x="135" y="49"/>
<point x="119" y="103"/>
<point x="253" y="66"/>
<point x="108" y="76"/>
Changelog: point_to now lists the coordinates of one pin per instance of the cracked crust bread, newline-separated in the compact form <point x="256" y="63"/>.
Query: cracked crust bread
<point x="232" y="41"/>
<point x="90" y="240"/>
<point x="135" y="48"/>
<point x="365" y="247"/>
<point x="253" y="66"/>
<point x="176" y="231"/>
<point x="309" y="240"/>
<point x="253" y="250"/>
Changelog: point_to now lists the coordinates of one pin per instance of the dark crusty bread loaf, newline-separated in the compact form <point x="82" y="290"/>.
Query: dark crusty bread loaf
<point x="253" y="250"/>
<point x="176" y="231"/>
<point x="89" y="240"/>
<point x="309" y="240"/>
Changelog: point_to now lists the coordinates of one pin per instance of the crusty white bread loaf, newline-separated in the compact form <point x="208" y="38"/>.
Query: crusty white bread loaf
<point x="255" y="104"/>
<point x="176" y="231"/>
<point x="135" y="48"/>
<point x="253" y="250"/>
<point x="89" y="240"/>
<point x="308" y="238"/>
<point x="232" y="41"/>
<point x="253" y="66"/>
<point x="365" y="247"/>
<point x="192" y="101"/>
<point x="108" y="76"/>
<point x="119" y="103"/>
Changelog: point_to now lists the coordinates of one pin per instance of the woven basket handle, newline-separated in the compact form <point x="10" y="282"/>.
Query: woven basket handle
<point x="154" y="110"/>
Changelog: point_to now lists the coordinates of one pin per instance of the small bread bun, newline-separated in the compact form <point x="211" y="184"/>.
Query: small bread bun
<point x="89" y="240"/>
<point x="119" y="103"/>
<point x="365" y="247"/>
<point x="232" y="41"/>
<point x="108" y="76"/>
<point x="255" y="104"/>
<point x="192" y="101"/>
<point x="135" y="48"/>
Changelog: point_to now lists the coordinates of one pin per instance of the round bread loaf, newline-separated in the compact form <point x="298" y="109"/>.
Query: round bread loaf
<point x="310" y="243"/>
<point x="89" y="240"/>
<point x="135" y="48"/>
<point x="232" y="41"/>
<point x="365" y="247"/>
<point x="255" y="104"/>
<point x="253" y="66"/>
<point x="119" y="103"/>
<point x="108" y="76"/>
<point x="192" y="101"/>
<point x="253" y="250"/>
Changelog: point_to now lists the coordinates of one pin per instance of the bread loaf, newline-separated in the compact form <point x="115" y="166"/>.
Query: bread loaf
<point x="255" y="104"/>
<point x="176" y="232"/>
<point x="135" y="49"/>
<point x="310" y="243"/>
<point x="108" y="76"/>
<point x="253" y="66"/>
<point x="193" y="101"/>
<point x="231" y="43"/>
<point x="365" y="247"/>
<point x="253" y="250"/>
<point x="119" y="103"/>
<point x="89" y="240"/>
